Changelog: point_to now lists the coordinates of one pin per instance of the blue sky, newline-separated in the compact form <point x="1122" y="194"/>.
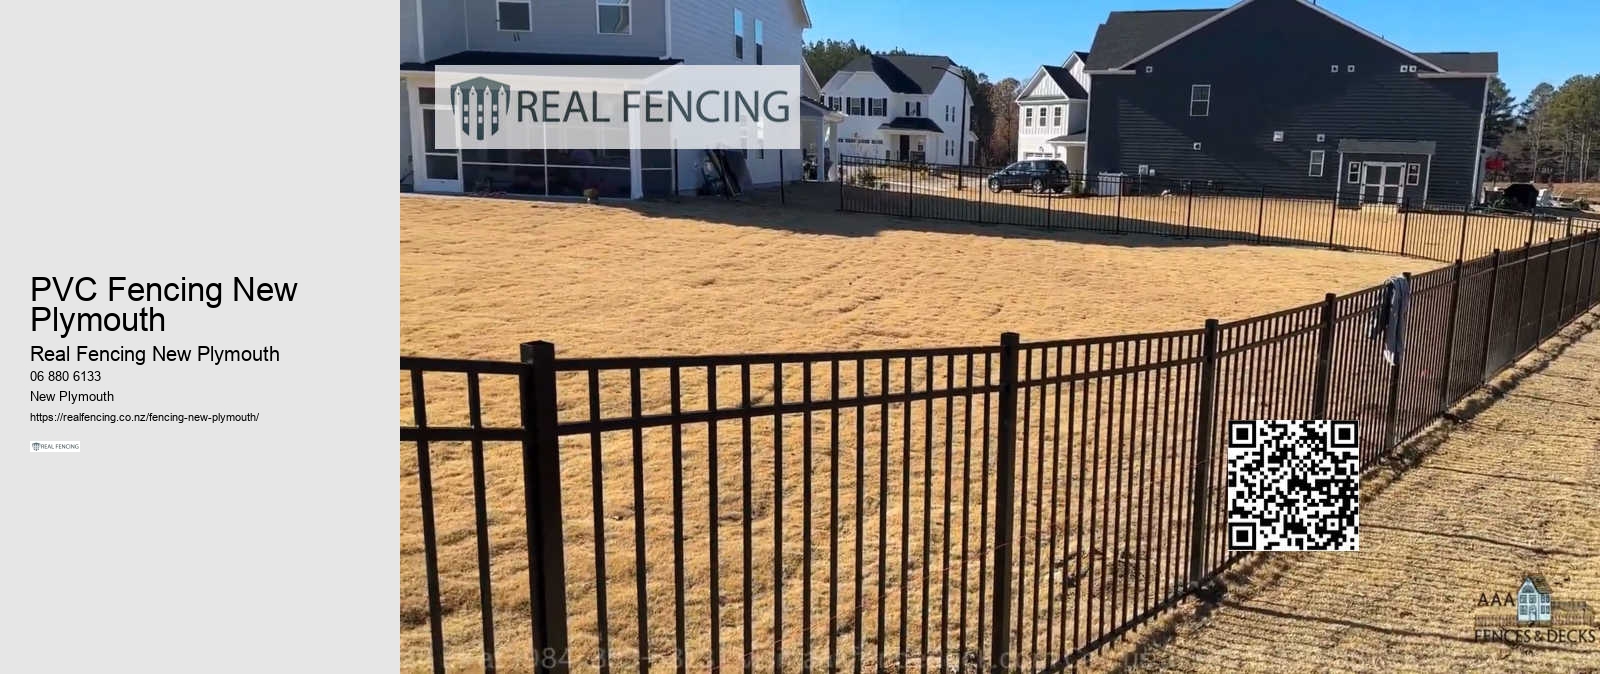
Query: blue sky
<point x="1011" y="39"/>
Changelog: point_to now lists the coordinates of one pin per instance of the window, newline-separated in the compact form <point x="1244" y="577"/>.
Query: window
<point x="1334" y="68"/>
<point x="514" y="16"/>
<point x="1353" y="176"/>
<point x="761" y="40"/>
<point x="917" y="109"/>
<point x="833" y="103"/>
<point x="857" y="105"/>
<point x="738" y="35"/>
<point x="1317" y="157"/>
<point x="1196" y="146"/>
<point x="1349" y="69"/>
<point x="1413" y="174"/>
<point x="1322" y="137"/>
<point x="1277" y="136"/>
<point x="1027" y="116"/>
<point x="615" y="17"/>
<point x="1057" y="118"/>
<point x="1200" y="100"/>
<point x="1149" y="69"/>
<point x="878" y="107"/>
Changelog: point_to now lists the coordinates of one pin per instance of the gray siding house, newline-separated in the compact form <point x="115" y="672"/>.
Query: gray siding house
<point x="1285" y="94"/>
<point x="436" y="33"/>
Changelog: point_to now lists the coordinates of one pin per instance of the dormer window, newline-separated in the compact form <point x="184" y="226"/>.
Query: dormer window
<point x="514" y="15"/>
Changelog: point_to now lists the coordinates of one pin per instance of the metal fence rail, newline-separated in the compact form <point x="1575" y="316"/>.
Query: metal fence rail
<point x="1008" y="507"/>
<point x="1410" y="225"/>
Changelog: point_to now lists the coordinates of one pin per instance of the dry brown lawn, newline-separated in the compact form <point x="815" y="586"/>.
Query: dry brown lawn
<point x="1510" y="491"/>
<point x="480" y="276"/>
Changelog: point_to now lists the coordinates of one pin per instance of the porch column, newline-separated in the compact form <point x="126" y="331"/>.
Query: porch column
<point x="635" y="161"/>
<point x="833" y="149"/>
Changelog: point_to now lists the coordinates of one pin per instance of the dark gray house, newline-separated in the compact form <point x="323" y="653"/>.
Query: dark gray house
<point x="1284" y="93"/>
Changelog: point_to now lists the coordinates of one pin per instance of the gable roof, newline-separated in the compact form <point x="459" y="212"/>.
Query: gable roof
<point x="1538" y="582"/>
<point x="1064" y="79"/>
<point x="903" y="73"/>
<point x="1126" y="35"/>
<point x="1082" y="55"/>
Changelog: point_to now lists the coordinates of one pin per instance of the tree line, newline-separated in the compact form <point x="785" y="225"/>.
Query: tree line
<point x="1553" y="135"/>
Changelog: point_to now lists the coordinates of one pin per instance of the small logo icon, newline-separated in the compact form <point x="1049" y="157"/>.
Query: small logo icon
<point x="47" y="446"/>
<point x="478" y="103"/>
<point x="36" y="447"/>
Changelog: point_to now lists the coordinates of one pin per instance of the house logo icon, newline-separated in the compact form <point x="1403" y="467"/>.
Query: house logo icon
<point x="477" y="104"/>
<point x="37" y="447"/>
<point x="1533" y="600"/>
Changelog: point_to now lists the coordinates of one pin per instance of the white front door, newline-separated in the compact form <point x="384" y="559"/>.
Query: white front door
<point x="436" y="169"/>
<point x="1383" y="182"/>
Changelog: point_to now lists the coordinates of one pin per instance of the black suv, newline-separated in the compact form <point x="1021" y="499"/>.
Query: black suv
<point x="1034" y="174"/>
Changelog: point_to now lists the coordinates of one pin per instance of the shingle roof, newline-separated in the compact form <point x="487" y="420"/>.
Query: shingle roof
<point x="496" y="58"/>
<point x="1464" y="61"/>
<point x="1126" y="35"/>
<point x="911" y="124"/>
<point x="1064" y="79"/>
<point x="903" y="73"/>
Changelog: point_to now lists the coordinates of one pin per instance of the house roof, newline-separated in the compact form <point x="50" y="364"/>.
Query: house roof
<point x="1064" y="79"/>
<point x="1125" y="35"/>
<point x="1464" y="61"/>
<point x="1539" y="584"/>
<point x="498" y="58"/>
<point x="911" y="124"/>
<point x="1082" y="55"/>
<point x="903" y="73"/>
<point x="1079" y="137"/>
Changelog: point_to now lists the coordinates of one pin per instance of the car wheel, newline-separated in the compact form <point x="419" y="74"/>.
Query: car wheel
<point x="994" y="185"/>
<point x="1038" y="186"/>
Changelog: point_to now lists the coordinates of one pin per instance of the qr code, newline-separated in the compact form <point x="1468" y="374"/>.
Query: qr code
<point x="1293" y="486"/>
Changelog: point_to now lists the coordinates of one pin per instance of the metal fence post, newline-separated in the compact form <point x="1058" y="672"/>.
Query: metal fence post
<point x="1405" y="226"/>
<point x="1261" y="212"/>
<point x="1200" y="479"/>
<point x="1544" y="289"/>
<point x="1333" y="218"/>
<point x="1450" y="338"/>
<point x="1005" y="506"/>
<point x="1488" y="321"/>
<point x="1188" y="216"/>
<point x="1392" y="408"/>
<point x="541" y="489"/>
<point x="1461" y="249"/>
<point x="1324" y="380"/>
<point x="1117" y="223"/>
<point x="1522" y="292"/>
<point x="911" y="179"/>
<point x="1569" y="226"/>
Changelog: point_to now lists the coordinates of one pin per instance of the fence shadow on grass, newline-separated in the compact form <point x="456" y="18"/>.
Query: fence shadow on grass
<point x="813" y="218"/>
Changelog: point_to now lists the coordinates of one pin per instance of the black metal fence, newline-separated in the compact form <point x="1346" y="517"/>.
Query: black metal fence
<point x="1389" y="221"/>
<point x="1009" y="507"/>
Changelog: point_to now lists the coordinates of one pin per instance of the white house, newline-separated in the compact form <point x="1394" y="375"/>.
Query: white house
<point x="902" y="106"/>
<point x="1533" y="600"/>
<point x="582" y="32"/>
<point x="1053" y="114"/>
